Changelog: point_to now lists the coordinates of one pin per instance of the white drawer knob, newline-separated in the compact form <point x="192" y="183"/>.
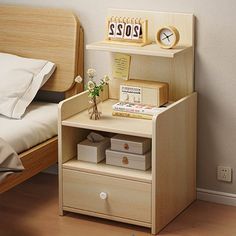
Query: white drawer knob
<point x="103" y="195"/>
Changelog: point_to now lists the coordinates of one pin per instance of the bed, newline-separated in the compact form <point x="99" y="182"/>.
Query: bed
<point x="50" y="34"/>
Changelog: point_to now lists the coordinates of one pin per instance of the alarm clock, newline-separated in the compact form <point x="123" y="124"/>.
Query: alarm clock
<point x="167" y="37"/>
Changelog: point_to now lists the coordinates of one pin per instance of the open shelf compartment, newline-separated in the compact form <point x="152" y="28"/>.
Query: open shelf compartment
<point x="108" y="170"/>
<point x="111" y="123"/>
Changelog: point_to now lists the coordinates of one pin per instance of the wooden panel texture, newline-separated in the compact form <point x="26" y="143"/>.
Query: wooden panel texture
<point x="125" y="198"/>
<point x="173" y="66"/>
<point x="114" y="171"/>
<point x="34" y="160"/>
<point x="182" y="21"/>
<point x="42" y="33"/>
<point x="174" y="161"/>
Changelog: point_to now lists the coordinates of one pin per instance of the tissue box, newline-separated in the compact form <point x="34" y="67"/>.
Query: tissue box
<point x="92" y="152"/>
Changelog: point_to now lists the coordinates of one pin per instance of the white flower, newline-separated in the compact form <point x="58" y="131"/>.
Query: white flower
<point x="91" y="85"/>
<point x="91" y="73"/>
<point x="106" y="79"/>
<point x="78" y="79"/>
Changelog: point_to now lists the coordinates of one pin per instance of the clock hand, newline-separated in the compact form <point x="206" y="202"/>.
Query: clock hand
<point x="170" y="35"/>
<point x="165" y="35"/>
<point x="166" y="38"/>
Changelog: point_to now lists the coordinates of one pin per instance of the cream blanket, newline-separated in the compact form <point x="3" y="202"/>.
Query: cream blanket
<point x="9" y="160"/>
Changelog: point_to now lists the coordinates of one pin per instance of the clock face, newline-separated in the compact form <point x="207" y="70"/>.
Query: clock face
<point x="167" y="37"/>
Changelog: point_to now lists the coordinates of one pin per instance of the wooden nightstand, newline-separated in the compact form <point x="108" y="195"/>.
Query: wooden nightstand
<point x="149" y="198"/>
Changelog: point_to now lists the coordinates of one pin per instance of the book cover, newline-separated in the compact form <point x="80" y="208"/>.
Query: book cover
<point x="130" y="94"/>
<point x="137" y="108"/>
<point x="132" y="115"/>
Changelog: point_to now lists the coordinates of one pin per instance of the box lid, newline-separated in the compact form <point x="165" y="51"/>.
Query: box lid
<point x="129" y="138"/>
<point x="131" y="156"/>
<point x="87" y="142"/>
<point x="144" y="83"/>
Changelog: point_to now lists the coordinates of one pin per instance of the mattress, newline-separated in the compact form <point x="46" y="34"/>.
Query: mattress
<point x="37" y="125"/>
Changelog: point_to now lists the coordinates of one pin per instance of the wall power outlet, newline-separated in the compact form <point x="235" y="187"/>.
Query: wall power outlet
<point x="224" y="173"/>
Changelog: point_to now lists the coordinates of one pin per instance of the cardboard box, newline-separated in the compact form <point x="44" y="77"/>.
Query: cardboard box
<point x="92" y="152"/>
<point x="130" y="144"/>
<point x="128" y="160"/>
<point x="144" y="92"/>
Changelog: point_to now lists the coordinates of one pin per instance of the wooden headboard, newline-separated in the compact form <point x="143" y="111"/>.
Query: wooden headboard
<point x="51" y="34"/>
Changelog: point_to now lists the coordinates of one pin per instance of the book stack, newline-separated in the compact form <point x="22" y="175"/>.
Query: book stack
<point x="141" y="99"/>
<point x="135" y="110"/>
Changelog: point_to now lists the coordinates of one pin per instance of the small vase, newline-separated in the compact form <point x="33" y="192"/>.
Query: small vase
<point x="94" y="108"/>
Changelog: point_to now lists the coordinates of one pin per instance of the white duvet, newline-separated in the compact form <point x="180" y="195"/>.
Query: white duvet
<point x="37" y="125"/>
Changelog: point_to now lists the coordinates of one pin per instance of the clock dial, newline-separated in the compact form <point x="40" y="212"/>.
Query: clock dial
<point x="167" y="37"/>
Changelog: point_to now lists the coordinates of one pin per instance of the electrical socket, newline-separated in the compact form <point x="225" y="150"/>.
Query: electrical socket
<point x="224" y="173"/>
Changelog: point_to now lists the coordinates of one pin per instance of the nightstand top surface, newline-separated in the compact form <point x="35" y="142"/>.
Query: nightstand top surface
<point x="109" y="123"/>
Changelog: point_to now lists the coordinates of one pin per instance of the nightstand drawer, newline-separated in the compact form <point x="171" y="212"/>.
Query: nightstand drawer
<point x="107" y="195"/>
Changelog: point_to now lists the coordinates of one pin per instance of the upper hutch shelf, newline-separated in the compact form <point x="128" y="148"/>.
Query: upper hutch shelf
<point x="148" y="50"/>
<point x="184" y="22"/>
<point x="173" y="66"/>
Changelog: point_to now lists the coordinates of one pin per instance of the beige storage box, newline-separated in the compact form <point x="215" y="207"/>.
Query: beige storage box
<point x="130" y="144"/>
<point x="92" y="151"/>
<point x="150" y="93"/>
<point x="128" y="160"/>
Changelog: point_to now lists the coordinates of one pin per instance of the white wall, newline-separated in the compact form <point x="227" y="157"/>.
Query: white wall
<point x="215" y="70"/>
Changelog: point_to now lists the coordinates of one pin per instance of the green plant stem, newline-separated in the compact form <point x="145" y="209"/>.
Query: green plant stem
<point x="95" y="111"/>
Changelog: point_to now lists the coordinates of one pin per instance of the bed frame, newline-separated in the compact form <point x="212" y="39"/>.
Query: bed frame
<point x="52" y="34"/>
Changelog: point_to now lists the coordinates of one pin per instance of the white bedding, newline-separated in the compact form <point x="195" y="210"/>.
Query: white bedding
<point x="20" y="80"/>
<point x="37" y="125"/>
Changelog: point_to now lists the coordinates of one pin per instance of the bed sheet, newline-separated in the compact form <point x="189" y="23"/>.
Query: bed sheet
<point x="37" y="125"/>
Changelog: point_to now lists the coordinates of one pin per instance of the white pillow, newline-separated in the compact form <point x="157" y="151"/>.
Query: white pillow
<point x="20" y="80"/>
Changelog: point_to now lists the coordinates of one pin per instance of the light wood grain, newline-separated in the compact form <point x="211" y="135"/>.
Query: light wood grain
<point x="78" y="87"/>
<point x="173" y="131"/>
<point x="67" y="149"/>
<point x="69" y="137"/>
<point x="173" y="66"/>
<point x="174" y="161"/>
<point x="182" y="21"/>
<point x="112" y="171"/>
<point x="50" y="34"/>
<point x="34" y="160"/>
<point x="182" y="81"/>
<point x="125" y="199"/>
<point x="178" y="72"/>
<point x="108" y="122"/>
<point x="148" y="50"/>
<point x="32" y="207"/>
<point x="109" y="217"/>
<point x="43" y="33"/>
